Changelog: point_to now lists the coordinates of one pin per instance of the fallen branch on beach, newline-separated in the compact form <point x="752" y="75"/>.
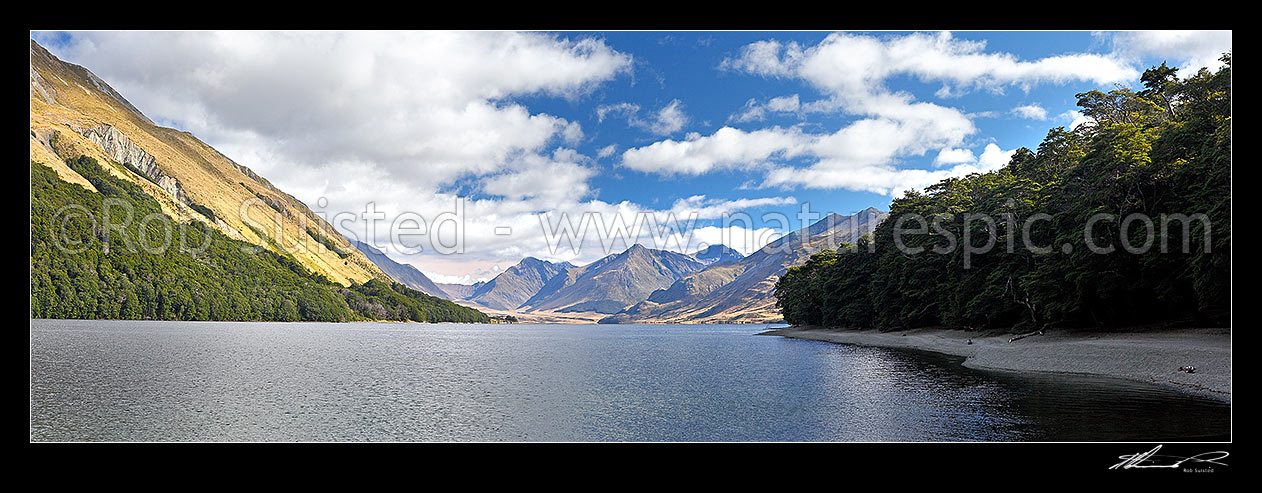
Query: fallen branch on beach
<point x="1023" y="336"/>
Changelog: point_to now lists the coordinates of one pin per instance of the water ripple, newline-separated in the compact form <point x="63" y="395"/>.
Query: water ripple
<point x="211" y="381"/>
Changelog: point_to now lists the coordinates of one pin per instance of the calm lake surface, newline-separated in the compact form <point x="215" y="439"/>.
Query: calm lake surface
<point x="228" y="381"/>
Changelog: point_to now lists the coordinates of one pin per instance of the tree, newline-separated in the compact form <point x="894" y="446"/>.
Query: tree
<point x="1163" y="152"/>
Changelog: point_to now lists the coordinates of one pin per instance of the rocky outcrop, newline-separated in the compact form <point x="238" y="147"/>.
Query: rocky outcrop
<point x="38" y="84"/>
<point x="44" y="89"/>
<point x="123" y="150"/>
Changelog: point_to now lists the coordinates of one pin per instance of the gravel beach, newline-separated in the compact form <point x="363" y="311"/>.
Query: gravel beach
<point x="1148" y="356"/>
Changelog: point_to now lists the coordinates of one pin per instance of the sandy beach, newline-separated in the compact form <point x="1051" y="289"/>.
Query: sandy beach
<point x="1148" y="356"/>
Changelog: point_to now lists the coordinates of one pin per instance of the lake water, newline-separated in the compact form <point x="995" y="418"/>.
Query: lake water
<point x="226" y="381"/>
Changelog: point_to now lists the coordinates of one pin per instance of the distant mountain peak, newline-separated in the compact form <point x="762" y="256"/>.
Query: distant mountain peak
<point x="717" y="253"/>
<point x="536" y="261"/>
<point x="833" y="217"/>
<point x="516" y="284"/>
<point x="637" y="250"/>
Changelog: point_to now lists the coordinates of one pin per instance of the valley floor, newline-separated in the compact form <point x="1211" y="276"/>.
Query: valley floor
<point x="1149" y="356"/>
<point x="540" y="317"/>
<point x="591" y="317"/>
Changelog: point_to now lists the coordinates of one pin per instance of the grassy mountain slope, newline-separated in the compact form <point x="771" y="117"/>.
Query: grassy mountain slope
<point x="403" y="273"/>
<point x="75" y="113"/>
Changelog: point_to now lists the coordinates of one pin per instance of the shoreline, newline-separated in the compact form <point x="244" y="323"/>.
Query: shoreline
<point x="1149" y="356"/>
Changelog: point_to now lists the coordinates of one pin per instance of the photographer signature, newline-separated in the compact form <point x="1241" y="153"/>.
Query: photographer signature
<point x="1150" y="460"/>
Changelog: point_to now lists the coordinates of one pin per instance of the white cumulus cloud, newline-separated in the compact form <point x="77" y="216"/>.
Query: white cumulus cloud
<point x="665" y="121"/>
<point x="888" y="127"/>
<point x="726" y="147"/>
<point x="755" y="111"/>
<point x="950" y="156"/>
<point x="1188" y="50"/>
<point x="1030" y="112"/>
<point x="994" y="158"/>
<point x="607" y="151"/>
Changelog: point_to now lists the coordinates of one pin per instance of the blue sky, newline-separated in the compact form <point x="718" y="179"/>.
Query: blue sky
<point x="614" y="122"/>
<point x="685" y="66"/>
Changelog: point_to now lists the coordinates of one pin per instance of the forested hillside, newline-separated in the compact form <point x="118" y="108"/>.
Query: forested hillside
<point x="73" y="112"/>
<point x="1109" y="189"/>
<point x="75" y="273"/>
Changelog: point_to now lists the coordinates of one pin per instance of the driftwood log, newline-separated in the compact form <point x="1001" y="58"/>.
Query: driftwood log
<point x="1023" y="336"/>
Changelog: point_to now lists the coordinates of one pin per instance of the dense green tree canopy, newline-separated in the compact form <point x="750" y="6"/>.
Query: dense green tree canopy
<point x="82" y="267"/>
<point x="1067" y="225"/>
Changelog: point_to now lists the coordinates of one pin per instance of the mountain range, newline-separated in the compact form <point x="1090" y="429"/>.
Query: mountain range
<point x="612" y="283"/>
<point x="644" y="285"/>
<point x="741" y="291"/>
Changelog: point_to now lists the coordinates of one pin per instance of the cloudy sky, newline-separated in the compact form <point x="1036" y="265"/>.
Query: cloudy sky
<point x="518" y="133"/>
